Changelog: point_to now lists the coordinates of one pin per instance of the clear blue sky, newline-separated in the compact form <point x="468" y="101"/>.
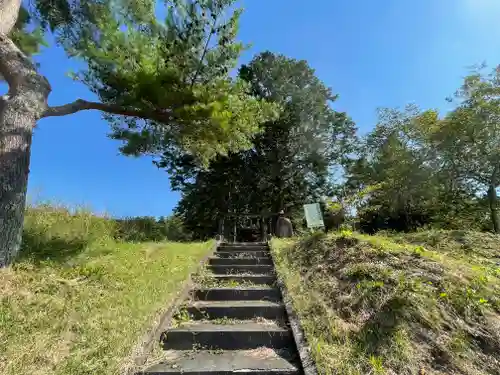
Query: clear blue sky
<point x="372" y="53"/>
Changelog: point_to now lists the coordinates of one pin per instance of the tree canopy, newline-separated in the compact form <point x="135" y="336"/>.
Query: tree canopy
<point x="265" y="139"/>
<point x="289" y="161"/>
<point x="162" y="84"/>
<point x="432" y="170"/>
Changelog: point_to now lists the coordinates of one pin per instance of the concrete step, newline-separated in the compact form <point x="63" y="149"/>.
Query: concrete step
<point x="237" y="294"/>
<point x="236" y="310"/>
<point x="243" y="247"/>
<point x="242" y="254"/>
<point x="262" y="361"/>
<point x="240" y="261"/>
<point x="247" y="335"/>
<point x="241" y="269"/>
<point x="243" y="244"/>
<point x="254" y="279"/>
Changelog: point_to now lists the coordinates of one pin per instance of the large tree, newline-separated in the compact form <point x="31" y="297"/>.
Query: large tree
<point x="289" y="162"/>
<point x="405" y="181"/>
<point x="160" y="84"/>
<point x="468" y="138"/>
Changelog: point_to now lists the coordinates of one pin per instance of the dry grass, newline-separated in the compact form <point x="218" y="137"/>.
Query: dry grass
<point x="425" y="303"/>
<point x="77" y="302"/>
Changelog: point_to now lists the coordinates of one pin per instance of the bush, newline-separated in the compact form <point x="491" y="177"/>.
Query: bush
<point x="48" y="226"/>
<point x="53" y="229"/>
<point x="150" y="229"/>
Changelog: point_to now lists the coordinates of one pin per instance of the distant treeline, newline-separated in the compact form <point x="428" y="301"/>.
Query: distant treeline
<point x="146" y="228"/>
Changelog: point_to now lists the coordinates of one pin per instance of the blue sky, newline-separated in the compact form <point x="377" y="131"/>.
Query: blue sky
<point x="372" y="53"/>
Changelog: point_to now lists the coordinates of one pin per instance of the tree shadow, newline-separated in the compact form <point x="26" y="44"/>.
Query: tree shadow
<point x="37" y="249"/>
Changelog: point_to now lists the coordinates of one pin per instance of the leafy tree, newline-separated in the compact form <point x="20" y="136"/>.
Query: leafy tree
<point x="399" y="180"/>
<point x="175" y="229"/>
<point x="161" y="85"/>
<point x="395" y="162"/>
<point x="468" y="138"/>
<point x="289" y="162"/>
<point x="309" y="136"/>
<point x="151" y="229"/>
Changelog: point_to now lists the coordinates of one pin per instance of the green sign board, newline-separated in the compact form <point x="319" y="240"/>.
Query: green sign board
<point x="313" y="215"/>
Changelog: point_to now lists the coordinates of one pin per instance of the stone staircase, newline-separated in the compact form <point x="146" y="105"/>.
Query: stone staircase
<point x="234" y="322"/>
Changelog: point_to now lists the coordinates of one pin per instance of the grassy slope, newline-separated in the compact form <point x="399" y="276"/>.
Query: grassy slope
<point x="424" y="303"/>
<point x="77" y="301"/>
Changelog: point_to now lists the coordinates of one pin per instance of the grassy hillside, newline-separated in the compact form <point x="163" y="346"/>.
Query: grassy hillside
<point x="423" y="303"/>
<point x="77" y="301"/>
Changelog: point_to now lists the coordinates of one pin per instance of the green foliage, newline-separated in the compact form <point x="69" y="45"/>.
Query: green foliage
<point x="28" y="36"/>
<point x="468" y="137"/>
<point x="150" y="229"/>
<point x="77" y="302"/>
<point x="48" y="226"/>
<point x="401" y="180"/>
<point x="176" y="72"/>
<point x="387" y="303"/>
<point x="51" y="229"/>
<point x="289" y="162"/>
<point x="169" y="79"/>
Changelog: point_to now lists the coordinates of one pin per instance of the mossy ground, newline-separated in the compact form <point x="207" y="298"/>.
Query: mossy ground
<point x="423" y="303"/>
<point x="77" y="301"/>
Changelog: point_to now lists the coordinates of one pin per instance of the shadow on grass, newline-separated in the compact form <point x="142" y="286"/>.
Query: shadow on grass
<point x="37" y="249"/>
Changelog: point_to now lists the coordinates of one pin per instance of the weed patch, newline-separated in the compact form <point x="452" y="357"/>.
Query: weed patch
<point x="77" y="302"/>
<point x="396" y="304"/>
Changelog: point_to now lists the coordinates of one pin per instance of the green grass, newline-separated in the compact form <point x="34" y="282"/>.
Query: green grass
<point x="422" y="303"/>
<point x="77" y="301"/>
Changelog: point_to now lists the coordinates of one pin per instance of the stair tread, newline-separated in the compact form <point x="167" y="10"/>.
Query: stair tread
<point x="179" y="361"/>
<point x="251" y="248"/>
<point x="230" y="252"/>
<point x="239" y="275"/>
<point x="243" y="303"/>
<point x="263" y="244"/>
<point x="214" y="257"/>
<point x="237" y="255"/>
<point x="240" y="265"/>
<point x="240" y="289"/>
<point x="240" y="326"/>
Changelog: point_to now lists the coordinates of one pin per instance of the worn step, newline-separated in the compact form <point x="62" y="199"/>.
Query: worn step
<point x="243" y="247"/>
<point x="237" y="294"/>
<point x="236" y="310"/>
<point x="261" y="361"/>
<point x="239" y="254"/>
<point x="243" y="335"/>
<point x="240" y="261"/>
<point x="243" y="244"/>
<point x="240" y="269"/>
<point x="252" y="279"/>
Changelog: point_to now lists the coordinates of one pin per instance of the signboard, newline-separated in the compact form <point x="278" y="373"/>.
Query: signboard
<point x="313" y="215"/>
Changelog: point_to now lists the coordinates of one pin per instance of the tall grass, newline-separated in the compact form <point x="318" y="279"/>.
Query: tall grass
<point x="426" y="303"/>
<point x="77" y="300"/>
<point x="58" y="232"/>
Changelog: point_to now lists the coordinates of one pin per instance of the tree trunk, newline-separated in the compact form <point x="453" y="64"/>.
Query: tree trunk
<point x="20" y="109"/>
<point x="9" y="11"/>
<point x="492" y="200"/>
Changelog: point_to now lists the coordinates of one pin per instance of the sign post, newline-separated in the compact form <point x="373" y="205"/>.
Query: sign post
<point x="314" y="217"/>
